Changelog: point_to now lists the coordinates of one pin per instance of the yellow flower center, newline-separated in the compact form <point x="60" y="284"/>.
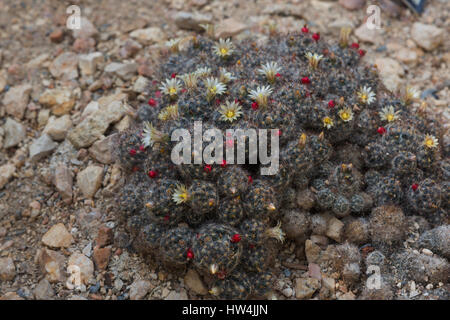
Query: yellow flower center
<point x="429" y="142"/>
<point x="390" y="117"/>
<point x="363" y="97"/>
<point x="184" y="196"/>
<point x="172" y="91"/>
<point x="327" y="121"/>
<point x="345" y="115"/>
<point x="230" y="114"/>
<point x="224" y="51"/>
<point x="213" y="90"/>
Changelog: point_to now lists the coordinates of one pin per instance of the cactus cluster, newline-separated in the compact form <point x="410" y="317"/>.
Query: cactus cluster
<point x="348" y="148"/>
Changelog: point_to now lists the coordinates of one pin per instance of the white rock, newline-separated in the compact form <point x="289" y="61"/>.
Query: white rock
<point x="89" y="180"/>
<point x="141" y="84"/>
<point x="87" y="29"/>
<point x="368" y="35"/>
<point x="14" y="133"/>
<point x="43" y="116"/>
<point x="124" y="70"/>
<point x="173" y="295"/>
<point x="65" y="66"/>
<point x="390" y="72"/>
<point x="16" y="100"/>
<point x="427" y="36"/>
<point x="90" y="109"/>
<point x="85" y="265"/>
<point x="57" y="128"/>
<point x="148" y="36"/>
<point x="57" y="237"/>
<point x="406" y="55"/>
<point x="87" y="251"/>
<point x="95" y="125"/>
<point x="287" y="292"/>
<point x="88" y="63"/>
<point x="305" y="287"/>
<point x="118" y="284"/>
<point x="139" y="289"/>
<point x="335" y="229"/>
<point x="42" y="147"/>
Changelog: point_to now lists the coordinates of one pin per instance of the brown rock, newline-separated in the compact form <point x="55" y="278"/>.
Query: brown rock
<point x="11" y="296"/>
<point x="192" y="21"/>
<point x="195" y="283"/>
<point x="51" y="264"/>
<point x="352" y="4"/>
<point x="145" y="70"/>
<point x="105" y="236"/>
<point x="7" y="269"/>
<point x="335" y="228"/>
<point x="229" y="27"/>
<point x="57" y="237"/>
<point x="101" y="150"/>
<point x="101" y="257"/>
<point x="43" y="290"/>
<point x="314" y="271"/>
<point x="6" y="173"/>
<point x="129" y="49"/>
<point x="83" y="45"/>
<point x="312" y="251"/>
<point x="60" y="100"/>
<point x="57" y="36"/>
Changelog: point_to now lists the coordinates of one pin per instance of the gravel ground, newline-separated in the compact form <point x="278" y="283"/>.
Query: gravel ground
<point x="58" y="180"/>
